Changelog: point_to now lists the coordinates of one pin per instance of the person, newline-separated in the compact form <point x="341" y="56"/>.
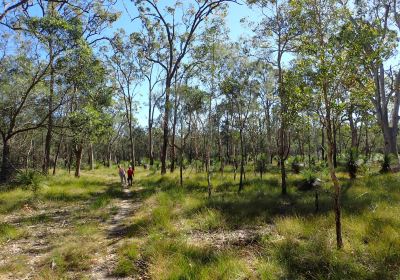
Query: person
<point x="121" y="172"/>
<point x="130" y="175"/>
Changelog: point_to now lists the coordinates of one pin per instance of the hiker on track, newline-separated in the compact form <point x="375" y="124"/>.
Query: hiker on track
<point x="130" y="175"/>
<point x="121" y="172"/>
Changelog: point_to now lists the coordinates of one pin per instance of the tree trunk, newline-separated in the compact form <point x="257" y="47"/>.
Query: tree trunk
<point x="241" y="161"/>
<point x="353" y="129"/>
<point x="6" y="166"/>
<point x="150" y="129"/>
<point x="78" y="157"/>
<point x="131" y="145"/>
<point x="47" y="149"/>
<point x="57" y="154"/>
<point x="173" y="154"/>
<point x="91" y="156"/>
<point x="109" y="156"/>
<point x="336" y="184"/>
<point x="165" y="126"/>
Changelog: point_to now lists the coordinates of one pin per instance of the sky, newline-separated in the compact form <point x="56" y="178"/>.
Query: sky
<point x="235" y="14"/>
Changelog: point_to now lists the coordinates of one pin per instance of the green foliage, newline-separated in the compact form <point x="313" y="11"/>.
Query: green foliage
<point x="352" y="162"/>
<point x="296" y="165"/>
<point x="128" y="254"/>
<point x="10" y="232"/>
<point x="261" y="165"/>
<point x="308" y="180"/>
<point x="385" y="164"/>
<point x="29" y="179"/>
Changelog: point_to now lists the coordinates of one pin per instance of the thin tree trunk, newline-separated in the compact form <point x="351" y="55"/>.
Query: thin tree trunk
<point x="109" y="156"/>
<point x="57" y="154"/>
<point x="165" y="126"/>
<point x="173" y="154"/>
<point x="91" y="156"/>
<point x="336" y="184"/>
<point x="78" y="157"/>
<point x="46" y="163"/>
<point x="241" y="161"/>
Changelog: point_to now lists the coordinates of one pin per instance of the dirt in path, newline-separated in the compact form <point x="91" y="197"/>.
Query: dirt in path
<point x="115" y="233"/>
<point x="33" y="249"/>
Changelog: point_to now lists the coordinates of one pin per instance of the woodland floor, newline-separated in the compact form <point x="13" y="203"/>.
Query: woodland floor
<point x="91" y="228"/>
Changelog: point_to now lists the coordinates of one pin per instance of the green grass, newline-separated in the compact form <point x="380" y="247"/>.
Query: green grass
<point x="176" y="232"/>
<point x="11" y="232"/>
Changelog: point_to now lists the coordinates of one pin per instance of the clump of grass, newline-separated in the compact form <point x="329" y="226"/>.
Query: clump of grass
<point x="88" y="229"/>
<point x="100" y="202"/>
<point x="269" y="269"/>
<point x="175" y="259"/>
<point x="208" y="219"/>
<point x="11" y="232"/>
<point x="29" y="179"/>
<point x="73" y="257"/>
<point x="127" y="256"/>
<point x="15" y="265"/>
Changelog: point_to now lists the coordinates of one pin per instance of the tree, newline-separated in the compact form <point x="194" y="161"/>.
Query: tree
<point x="371" y="37"/>
<point x="241" y="91"/>
<point x="90" y="95"/>
<point x="175" y="39"/>
<point x="126" y="68"/>
<point x="323" y="63"/>
<point x="21" y="87"/>
<point x="277" y="33"/>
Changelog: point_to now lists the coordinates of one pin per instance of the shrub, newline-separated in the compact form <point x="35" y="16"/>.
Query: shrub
<point x="351" y="163"/>
<point x="385" y="164"/>
<point x="261" y="166"/>
<point x="309" y="180"/>
<point x="29" y="180"/>
<point x="296" y="165"/>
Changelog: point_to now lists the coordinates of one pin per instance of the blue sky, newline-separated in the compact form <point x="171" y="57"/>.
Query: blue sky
<point x="235" y="14"/>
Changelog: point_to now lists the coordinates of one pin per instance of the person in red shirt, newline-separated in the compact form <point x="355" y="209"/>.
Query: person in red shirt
<point x="130" y="176"/>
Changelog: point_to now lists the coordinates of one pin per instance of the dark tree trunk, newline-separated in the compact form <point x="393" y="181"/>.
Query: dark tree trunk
<point x="57" y="154"/>
<point x="49" y="134"/>
<point x="241" y="161"/>
<point x="109" y="156"/>
<point x="132" y="145"/>
<point x="78" y="158"/>
<point x="336" y="184"/>
<point x="6" y="166"/>
<point x="91" y="156"/>
<point x="165" y="126"/>
<point x="173" y="154"/>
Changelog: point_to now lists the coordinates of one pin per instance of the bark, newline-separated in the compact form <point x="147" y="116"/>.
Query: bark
<point x="165" y="126"/>
<point x="173" y="153"/>
<point x="381" y="106"/>
<point x="78" y="158"/>
<point x="6" y="166"/>
<point x="49" y="134"/>
<point x="241" y="161"/>
<point x="57" y="154"/>
<point x="28" y="155"/>
<point x="353" y="129"/>
<point x="131" y="145"/>
<point x="91" y="156"/>
<point x="109" y="156"/>
<point x="332" y="172"/>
